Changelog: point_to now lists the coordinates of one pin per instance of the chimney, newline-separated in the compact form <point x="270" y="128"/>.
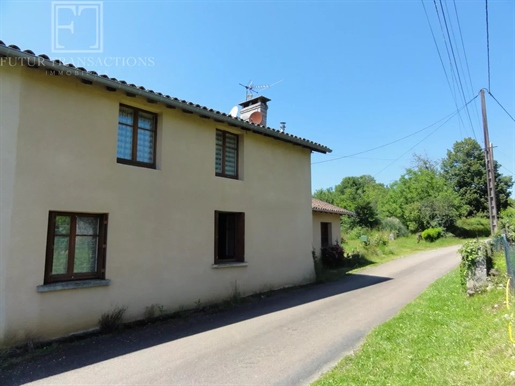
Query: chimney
<point x="258" y="104"/>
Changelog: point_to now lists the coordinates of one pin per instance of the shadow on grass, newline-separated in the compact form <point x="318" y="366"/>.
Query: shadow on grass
<point x="55" y="358"/>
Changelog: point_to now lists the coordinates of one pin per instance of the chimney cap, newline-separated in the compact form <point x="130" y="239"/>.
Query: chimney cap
<point x="255" y="100"/>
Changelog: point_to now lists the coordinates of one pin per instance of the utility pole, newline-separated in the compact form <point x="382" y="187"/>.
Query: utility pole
<point x="490" y="169"/>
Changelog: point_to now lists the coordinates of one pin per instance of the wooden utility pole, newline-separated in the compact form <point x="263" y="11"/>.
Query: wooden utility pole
<point x="490" y="169"/>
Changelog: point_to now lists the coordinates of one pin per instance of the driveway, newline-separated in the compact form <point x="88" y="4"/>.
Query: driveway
<point x="287" y="339"/>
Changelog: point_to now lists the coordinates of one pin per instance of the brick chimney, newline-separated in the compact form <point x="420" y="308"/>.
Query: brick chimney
<point x="255" y="104"/>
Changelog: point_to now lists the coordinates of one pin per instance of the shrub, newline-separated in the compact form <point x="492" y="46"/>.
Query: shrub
<point x="332" y="256"/>
<point x="472" y="227"/>
<point x="432" y="234"/>
<point x="358" y="232"/>
<point x="393" y="224"/>
<point x="380" y="239"/>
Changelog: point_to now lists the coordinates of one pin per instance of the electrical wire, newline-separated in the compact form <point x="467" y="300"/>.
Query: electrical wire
<point x="472" y="88"/>
<point x="502" y="107"/>
<point x="441" y="62"/>
<point x="446" y="119"/>
<point x="459" y="83"/>
<point x="423" y="139"/>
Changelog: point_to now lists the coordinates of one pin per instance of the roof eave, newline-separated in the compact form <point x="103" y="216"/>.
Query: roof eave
<point x="6" y="51"/>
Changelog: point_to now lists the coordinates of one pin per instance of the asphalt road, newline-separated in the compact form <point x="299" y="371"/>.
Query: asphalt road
<point x="287" y="339"/>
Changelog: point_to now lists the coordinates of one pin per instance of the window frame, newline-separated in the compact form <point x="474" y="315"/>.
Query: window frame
<point x="101" y="248"/>
<point x="224" y="147"/>
<point x="239" y="242"/>
<point x="134" y="153"/>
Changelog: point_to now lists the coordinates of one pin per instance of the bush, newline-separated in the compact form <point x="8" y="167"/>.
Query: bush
<point x="432" y="234"/>
<point x="393" y="224"/>
<point x="471" y="227"/>
<point x="380" y="239"/>
<point x="332" y="256"/>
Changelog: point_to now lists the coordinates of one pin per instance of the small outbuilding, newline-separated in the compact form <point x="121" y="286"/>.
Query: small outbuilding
<point x="326" y="224"/>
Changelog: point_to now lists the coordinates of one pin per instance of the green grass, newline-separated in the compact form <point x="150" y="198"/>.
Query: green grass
<point x="441" y="338"/>
<point x="370" y="255"/>
<point x="402" y="246"/>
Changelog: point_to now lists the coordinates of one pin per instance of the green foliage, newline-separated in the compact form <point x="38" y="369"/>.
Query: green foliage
<point x="112" y="321"/>
<point x="432" y="234"/>
<point x="441" y="338"/>
<point x="507" y="223"/>
<point x="464" y="169"/>
<point x="379" y="239"/>
<point x="470" y="252"/>
<point x="361" y="195"/>
<point x="471" y="227"/>
<point x="422" y="198"/>
<point x="393" y="224"/>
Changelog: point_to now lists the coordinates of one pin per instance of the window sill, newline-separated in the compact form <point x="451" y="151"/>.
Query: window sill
<point x="229" y="265"/>
<point x="72" y="285"/>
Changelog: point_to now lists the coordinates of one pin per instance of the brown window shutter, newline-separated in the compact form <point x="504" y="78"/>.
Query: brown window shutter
<point x="240" y="237"/>
<point x="216" y="236"/>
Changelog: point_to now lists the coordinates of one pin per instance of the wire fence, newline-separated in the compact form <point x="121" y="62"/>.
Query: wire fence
<point x="502" y="243"/>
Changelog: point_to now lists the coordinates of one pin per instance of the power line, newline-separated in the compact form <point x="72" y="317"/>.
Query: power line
<point x="446" y="118"/>
<point x="487" y="43"/>
<point x="423" y="139"/>
<point x="502" y="107"/>
<point x="472" y="88"/>
<point x="460" y="84"/>
<point x="441" y="62"/>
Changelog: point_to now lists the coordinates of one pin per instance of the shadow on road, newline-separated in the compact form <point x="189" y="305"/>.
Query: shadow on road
<point x="71" y="356"/>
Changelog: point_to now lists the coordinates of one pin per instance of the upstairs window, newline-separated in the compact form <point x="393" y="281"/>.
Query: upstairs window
<point x="226" y="160"/>
<point x="76" y="246"/>
<point x="136" y="137"/>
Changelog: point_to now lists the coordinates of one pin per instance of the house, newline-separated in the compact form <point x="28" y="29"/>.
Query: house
<point x="114" y="195"/>
<point x="326" y="224"/>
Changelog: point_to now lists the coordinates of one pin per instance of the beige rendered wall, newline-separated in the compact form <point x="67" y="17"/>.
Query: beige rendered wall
<point x="9" y="113"/>
<point x="161" y="222"/>
<point x="334" y="219"/>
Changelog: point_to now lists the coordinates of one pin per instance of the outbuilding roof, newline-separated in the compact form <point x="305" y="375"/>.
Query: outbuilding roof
<point x="28" y="58"/>
<point x="322" y="206"/>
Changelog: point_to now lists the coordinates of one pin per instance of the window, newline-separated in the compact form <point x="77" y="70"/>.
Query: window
<point x="76" y="246"/>
<point x="325" y="234"/>
<point x="226" y="161"/>
<point x="229" y="237"/>
<point x="136" y="137"/>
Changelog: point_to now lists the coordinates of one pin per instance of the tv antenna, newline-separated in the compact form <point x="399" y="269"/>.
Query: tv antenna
<point x="251" y="88"/>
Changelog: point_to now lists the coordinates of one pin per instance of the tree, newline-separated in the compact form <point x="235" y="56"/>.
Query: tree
<point x="422" y="198"/>
<point x="464" y="168"/>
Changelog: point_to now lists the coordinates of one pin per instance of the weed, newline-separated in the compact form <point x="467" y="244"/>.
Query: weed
<point x="154" y="311"/>
<point x="112" y="321"/>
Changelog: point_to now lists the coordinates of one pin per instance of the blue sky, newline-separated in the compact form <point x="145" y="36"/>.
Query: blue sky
<point x="355" y="74"/>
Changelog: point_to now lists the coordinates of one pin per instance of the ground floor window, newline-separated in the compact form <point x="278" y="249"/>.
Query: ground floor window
<point x="229" y="237"/>
<point x="76" y="246"/>
<point x="325" y="234"/>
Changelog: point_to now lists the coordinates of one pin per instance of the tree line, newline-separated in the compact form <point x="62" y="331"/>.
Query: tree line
<point x="429" y="194"/>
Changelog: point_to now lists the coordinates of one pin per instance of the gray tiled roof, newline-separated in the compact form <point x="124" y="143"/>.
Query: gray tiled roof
<point x="112" y="84"/>
<point x="322" y="206"/>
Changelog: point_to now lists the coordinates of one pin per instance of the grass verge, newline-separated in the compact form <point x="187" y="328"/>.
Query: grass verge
<point x="374" y="255"/>
<point x="441" y="338"/>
